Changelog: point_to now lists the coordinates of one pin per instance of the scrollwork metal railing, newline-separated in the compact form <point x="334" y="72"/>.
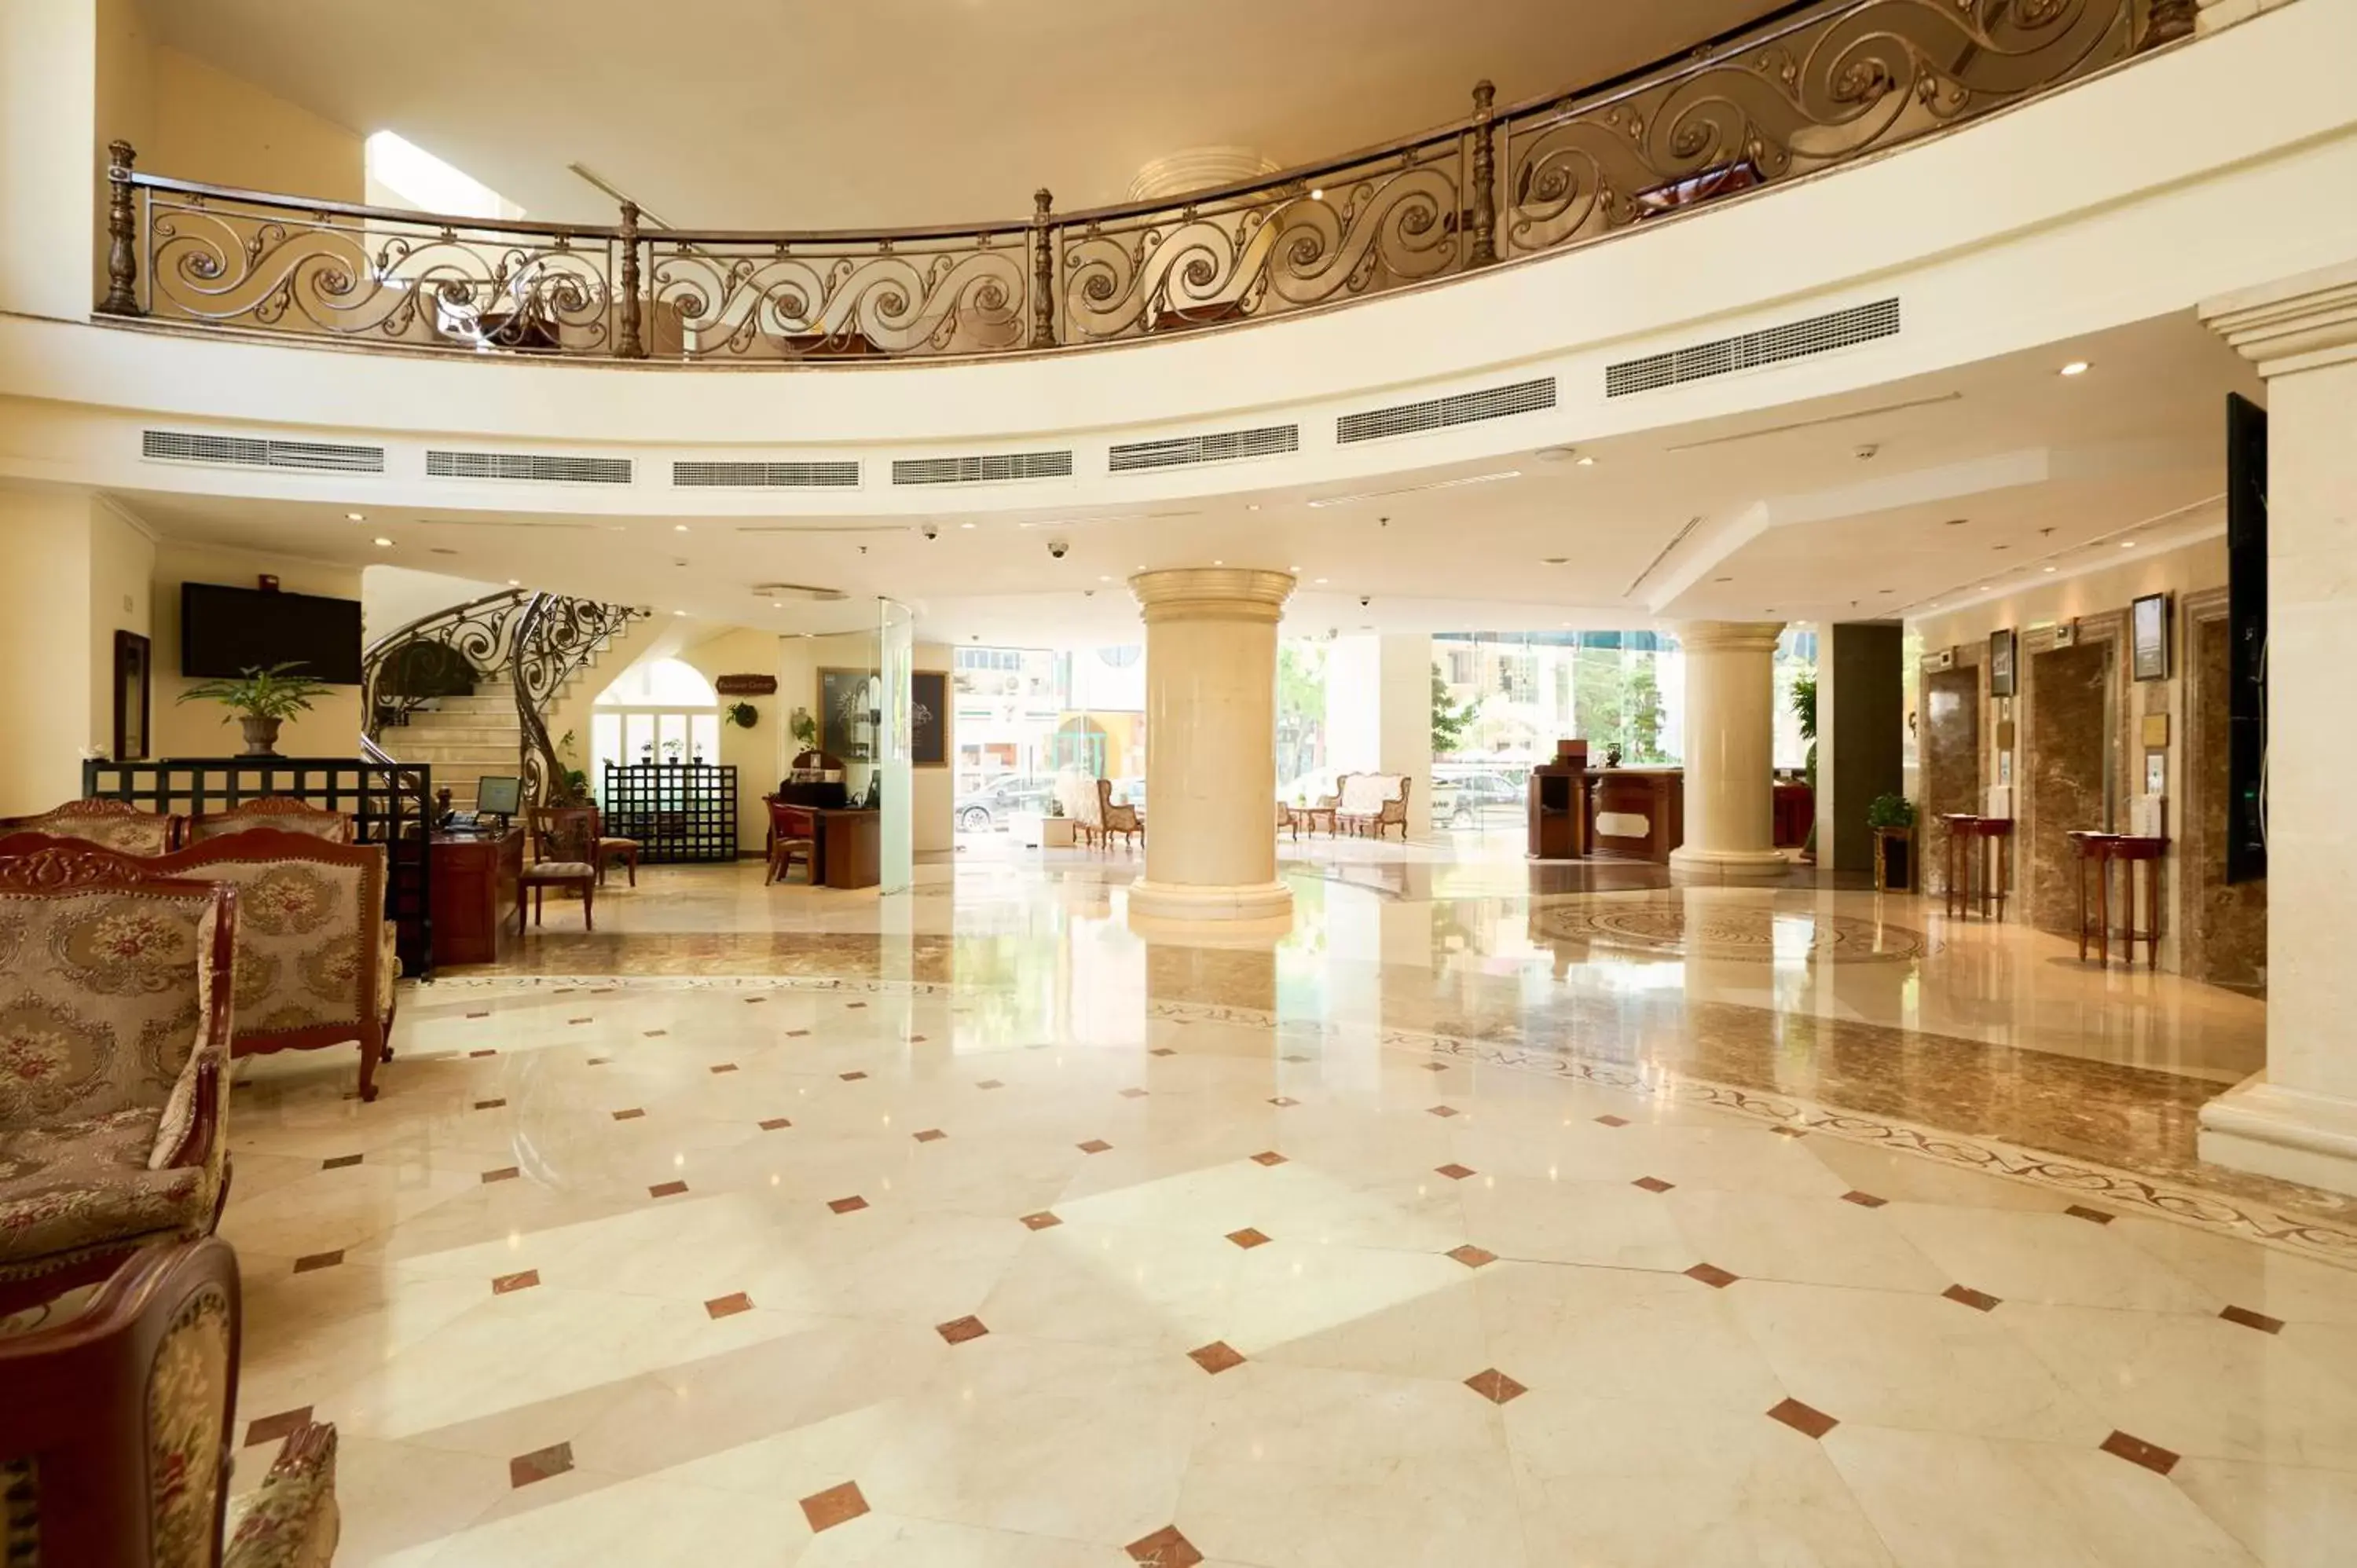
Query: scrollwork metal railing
<point x="534" y="641"/>
<point x="1817" y="86"/>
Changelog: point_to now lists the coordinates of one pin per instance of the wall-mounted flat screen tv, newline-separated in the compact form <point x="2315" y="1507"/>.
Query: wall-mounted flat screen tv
<point x="226" y="631"/>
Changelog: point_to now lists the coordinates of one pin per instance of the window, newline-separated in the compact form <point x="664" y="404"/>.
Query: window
<point x="661" y="710"/>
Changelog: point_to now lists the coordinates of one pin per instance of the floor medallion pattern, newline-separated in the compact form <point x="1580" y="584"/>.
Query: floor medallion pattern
<point x="1714" y="929"/>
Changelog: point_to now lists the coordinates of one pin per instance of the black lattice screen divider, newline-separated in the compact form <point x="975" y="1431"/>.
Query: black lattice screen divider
<point x="677" y="811"/>
<point x="388" y="805"/>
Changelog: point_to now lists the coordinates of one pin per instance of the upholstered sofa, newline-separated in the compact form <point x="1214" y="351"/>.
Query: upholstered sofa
<point x="1371" y="802"/>
<point x="115" y="1020"/>
<point x="279" y="812"/>
<point x="116" y="1433"/>
<point x="316" y="964"/>
<point x="116" y="824"/>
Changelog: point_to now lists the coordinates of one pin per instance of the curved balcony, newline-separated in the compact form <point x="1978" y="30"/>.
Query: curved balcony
<point x="1813" y="88"/>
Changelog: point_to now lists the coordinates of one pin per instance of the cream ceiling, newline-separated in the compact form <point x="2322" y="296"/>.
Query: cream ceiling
<point x="756" y="114"/>
<point x="1880" y="502"/>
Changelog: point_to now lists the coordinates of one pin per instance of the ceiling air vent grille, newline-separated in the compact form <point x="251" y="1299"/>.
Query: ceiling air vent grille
<point x="1225" y="446"/>
<point x="989" y="468"/>
<point x="1793" y="341"/>
<point x="1440" y="413"/>
<point x="736" y="475"/>
<point x="533" y="468"/>
<point x="260" y="452"/>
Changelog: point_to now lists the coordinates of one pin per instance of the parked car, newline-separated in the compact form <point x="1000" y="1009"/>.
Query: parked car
<point x="1463" y="801"/>
<point x="980" y="810"/>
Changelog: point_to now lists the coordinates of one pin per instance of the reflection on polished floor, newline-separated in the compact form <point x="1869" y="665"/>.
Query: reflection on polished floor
<point x="1492" y="1214"/>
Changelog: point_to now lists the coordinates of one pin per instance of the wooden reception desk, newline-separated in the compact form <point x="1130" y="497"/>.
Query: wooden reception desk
<point x="1636" y="813"/>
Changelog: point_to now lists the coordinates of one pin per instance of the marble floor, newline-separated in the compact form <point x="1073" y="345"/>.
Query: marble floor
<point x="1481" y="1218"/>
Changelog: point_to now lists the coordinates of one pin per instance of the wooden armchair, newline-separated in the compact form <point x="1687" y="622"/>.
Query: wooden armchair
<point x="279" y="812"/>
<point x="116" y="824"/>
<point x="1121" y="819"/>
<point x="611" y="850"/>
<point x="787" y="844"/>
<point x="115" y="1014"/>
<point x="115" y="1436"/>
<point x="564" y="837"/>
<point x="316" y="960"/>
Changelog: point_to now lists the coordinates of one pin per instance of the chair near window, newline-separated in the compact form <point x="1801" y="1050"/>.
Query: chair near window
<point x="564" y="839"/>
<point x="611" y="850"/>
<point x="1113" y="819"/>
<point x="785" y="848"/>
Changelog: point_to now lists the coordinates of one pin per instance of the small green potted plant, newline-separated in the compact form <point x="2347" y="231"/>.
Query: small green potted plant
<point x="740" y="715"/>
<point x="260" y="700"/>
<point x="803" y="728"/>
<point x="1892" y="818"/>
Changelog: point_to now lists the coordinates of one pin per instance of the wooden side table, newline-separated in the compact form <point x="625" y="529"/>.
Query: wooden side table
<point x="1976" y="875"/>
<point x="2091" y="848"/>
<point x="2132" y="851"/>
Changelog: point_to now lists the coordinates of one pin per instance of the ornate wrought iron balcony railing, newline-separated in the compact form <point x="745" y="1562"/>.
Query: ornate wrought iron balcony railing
<point x="1817" y="86"/>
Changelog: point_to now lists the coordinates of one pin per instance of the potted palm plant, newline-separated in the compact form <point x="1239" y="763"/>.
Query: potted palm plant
<point x="260" y="700"/>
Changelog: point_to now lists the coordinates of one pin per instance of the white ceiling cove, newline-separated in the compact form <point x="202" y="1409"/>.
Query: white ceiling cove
<point x="819" y="114"/>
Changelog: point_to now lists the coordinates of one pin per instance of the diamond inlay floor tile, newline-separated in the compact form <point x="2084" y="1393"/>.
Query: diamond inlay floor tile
<point x="1268" y="1157"/>
<point x="724" y="1066"/>
<point x="1217" y="1356"/>
<point x="483" y="1053"/>
<point x="1712" y="1275"/>
<point x="1248" y="1238"/>
<point x="540" y="1465"/>
<point x="598" y="1061"/>
<point x="774" y="1124"/>
<point x="656" y="1034"/>
<point x="581" y="1020"/>
<point x="505" y="1173"/>
<point x="2242" y="1315"/>
<point x="1789" y="1132"/>
<point x="503" y="1283"/>
<point x="1443" y="1110"/>
<point x="2136" y="1451"/>
<point x="1094" y="1146"/>
<point x="728" y="1305"/>
<point x="488" y="1104"/>
<point x="305" y="1265"/>
<point x="1654" y="1184"/>
<point x="1163" y="1051"/>
<point x="482" y="1014"/>
<point x="959" y="1330"/>
<point x="667" y="1190"/>
<point x="1435" y="1067"/>
<point x="632" y="1114"/>
<point x="1453" y="1171"/>
<point x="1608" y="1120"/>
<point x="340" y="1161"/>
<point x="1472" y="1257"/>
<point x="2094" y="1216"/>
<point x="851" y="1205"/>
<point x="1804" y="1419"/>
<point x="1282" y="1101"/>
<point x="851" y="1076"/>
<point x="1495" y="1386"/>
<point x="836" y="1505"/>
<point x="796" y="1034"/>
<point x="1133" y="1093"/>
<point x="990" y="1083"/>
<point x="1043" y="1220"/>
<point x="930" y="1135"/>
<point x="1863" y="1199"/>
<point x="273" y="1428"/>
<point x="1166" y="1547"/>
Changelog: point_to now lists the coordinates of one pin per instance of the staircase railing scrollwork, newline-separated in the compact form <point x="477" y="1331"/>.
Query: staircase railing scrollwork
<point x="534" y="641"/>
<point x="1814" y="87"/>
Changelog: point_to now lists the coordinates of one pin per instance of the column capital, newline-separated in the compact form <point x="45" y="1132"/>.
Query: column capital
<point x="2294" y="324"/>
<point x="1213" y="593"/>
<point x="1726" y="635"/>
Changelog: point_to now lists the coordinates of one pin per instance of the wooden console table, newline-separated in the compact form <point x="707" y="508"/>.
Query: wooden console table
<point x="2131" y="850"/>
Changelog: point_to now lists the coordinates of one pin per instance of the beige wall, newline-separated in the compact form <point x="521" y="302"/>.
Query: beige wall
<point x="45" y="642"/>
<point x="332" y="727"/>
<point x="755" y="753"/>
<point x="210" y="126"/>
<point x="48" y="98"/>
<point x="122" y="572"/>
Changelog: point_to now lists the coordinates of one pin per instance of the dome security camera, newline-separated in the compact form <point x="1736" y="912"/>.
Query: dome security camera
<point x="1365" y="599"/>
<point x="1057" y="547"/>
<point x="930" y="530"/>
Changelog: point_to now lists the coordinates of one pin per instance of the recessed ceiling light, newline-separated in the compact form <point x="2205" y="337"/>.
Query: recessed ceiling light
<point x="2049" y="568"/>
<point x="1323" y="579"/>
<point x="355" y="517"/>
<point x="1104" y="579"/>
<point x="1219" y="563"/>
<point x="966" y="525"/>
<point x="679" y="612"/>
<point x="1982" y="589"/>
<point x="2128" y="545"/>
<point x="1584" y="462"/>
<point x="383" y="543"/>
<point x="679" y="528"/>
<point x="1293" y="568"/>
<point x="1317" y="193"/>
<point x="1251" y="506"/>
<point x="515" y="582"/>
<point x="2076" y="368"/>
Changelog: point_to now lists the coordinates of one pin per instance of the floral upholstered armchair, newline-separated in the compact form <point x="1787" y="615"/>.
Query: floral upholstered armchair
<point x="115" y="1438"/>
<point x="1113" y="818"/>
<point x="279" y="812"/>
<point x="115" y="1030"/>
<point x="115" y="824"/>
<point x="316" y="964"/>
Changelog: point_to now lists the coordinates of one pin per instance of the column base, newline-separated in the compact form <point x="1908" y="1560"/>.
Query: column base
<point x="1187" y="901"/>
<point x="2282" y="1132"/>
<point x="1742" y="866"/>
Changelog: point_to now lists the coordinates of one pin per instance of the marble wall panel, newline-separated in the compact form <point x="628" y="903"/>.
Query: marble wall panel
<point x="2224" y="929"/>
<point x="2061" y="765"/>
<point x="1950" y="747"/>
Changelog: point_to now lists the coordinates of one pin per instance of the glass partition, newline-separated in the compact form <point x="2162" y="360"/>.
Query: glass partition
<point x="896" y="646"/>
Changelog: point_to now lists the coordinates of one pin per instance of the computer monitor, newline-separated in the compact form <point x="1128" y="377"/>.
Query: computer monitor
<point x="498" y="797"/>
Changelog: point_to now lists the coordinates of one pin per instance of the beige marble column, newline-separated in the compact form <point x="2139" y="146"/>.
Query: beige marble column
<point x="1730" y="753"/>
<point x="1211" y="744"/>
<point x="2298" y="1118"/>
